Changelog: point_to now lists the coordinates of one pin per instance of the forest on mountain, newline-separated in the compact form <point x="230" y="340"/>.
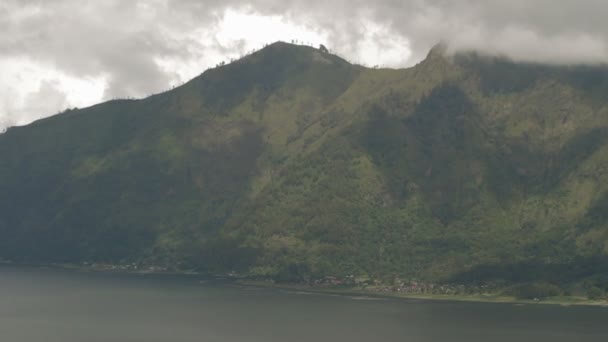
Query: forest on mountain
<point x="293" y="164"/>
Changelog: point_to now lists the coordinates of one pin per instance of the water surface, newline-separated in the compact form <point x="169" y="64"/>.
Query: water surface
<point x="52" y="305"/>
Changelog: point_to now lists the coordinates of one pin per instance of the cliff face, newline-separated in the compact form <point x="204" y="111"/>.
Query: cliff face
<point x="292" y="163"/>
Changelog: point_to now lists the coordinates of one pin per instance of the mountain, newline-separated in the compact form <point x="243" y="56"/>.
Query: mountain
<point x="293" y="163"/>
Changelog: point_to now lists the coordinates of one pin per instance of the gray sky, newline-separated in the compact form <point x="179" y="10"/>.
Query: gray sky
<point x="63" y="53"/>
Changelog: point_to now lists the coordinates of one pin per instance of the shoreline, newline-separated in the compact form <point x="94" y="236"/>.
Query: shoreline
<point x="110" y="269"/>
<point x="328" y="290"/>
<point x="489" y="298"/>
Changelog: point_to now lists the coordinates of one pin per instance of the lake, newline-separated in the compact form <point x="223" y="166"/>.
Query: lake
<point x="38" y="304"/>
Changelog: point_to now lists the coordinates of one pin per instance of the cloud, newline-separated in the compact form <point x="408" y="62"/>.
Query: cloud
<point x="118" y="48"/>
<point x="564" y="32"/>
<point x="48" y="95"/>
<point x="34" y="105"/>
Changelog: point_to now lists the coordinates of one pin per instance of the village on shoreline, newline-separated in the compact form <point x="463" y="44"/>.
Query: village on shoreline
<point x="350" y="285"/>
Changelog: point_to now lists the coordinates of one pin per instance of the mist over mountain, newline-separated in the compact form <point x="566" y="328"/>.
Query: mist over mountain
<point x="293" y="163"/>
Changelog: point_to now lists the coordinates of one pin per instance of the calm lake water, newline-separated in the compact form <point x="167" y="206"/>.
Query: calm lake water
<point x="62" y="306"/>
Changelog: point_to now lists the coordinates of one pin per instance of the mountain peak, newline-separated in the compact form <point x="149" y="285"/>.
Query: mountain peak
<point x="438" y="51"/>
<point x="294" y="53"/>
<point x="263" y="72"/>
<point x="285" y="45"/>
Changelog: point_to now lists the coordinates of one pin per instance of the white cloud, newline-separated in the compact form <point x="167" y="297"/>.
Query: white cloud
<point x="380" y="47"/>
<point x="254" y="30"/>
<point x="523" y="44"/>
<point x="30" y="91"/>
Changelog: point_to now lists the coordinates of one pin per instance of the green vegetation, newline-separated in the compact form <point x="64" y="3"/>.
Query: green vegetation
<point x="534" y="291"/>
<point x="293" y="164"/>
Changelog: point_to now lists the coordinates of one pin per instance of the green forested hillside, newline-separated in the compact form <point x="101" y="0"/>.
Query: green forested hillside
<point x="292" y="163"/>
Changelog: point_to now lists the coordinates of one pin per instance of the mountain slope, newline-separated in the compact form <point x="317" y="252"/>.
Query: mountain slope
<point x="292" y="163"/>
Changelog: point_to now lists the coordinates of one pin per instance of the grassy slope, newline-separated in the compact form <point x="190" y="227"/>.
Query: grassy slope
<point x="292" y="163"/>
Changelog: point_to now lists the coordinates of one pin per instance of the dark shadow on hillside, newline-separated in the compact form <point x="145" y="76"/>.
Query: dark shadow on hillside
<point x="436" y="149"/>
<point x="577" y="269"/>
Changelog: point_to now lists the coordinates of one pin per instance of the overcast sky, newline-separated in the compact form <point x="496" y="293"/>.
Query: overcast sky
<point x="64" y="53"/>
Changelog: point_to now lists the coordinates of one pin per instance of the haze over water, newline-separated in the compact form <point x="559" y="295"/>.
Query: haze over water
<point x="60" y="306"/>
